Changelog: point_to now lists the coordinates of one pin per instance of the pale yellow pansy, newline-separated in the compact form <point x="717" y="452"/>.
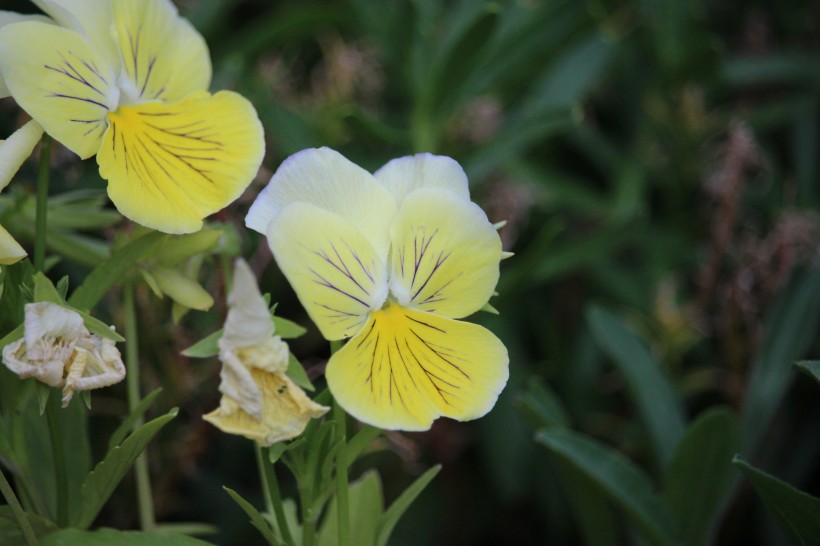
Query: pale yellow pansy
<point x="13" y="152"/>
<point x="390" y="260"/>
<point x="58" y="350"/>
<point x="127" y="81"/>
<point x="258" y="400"/>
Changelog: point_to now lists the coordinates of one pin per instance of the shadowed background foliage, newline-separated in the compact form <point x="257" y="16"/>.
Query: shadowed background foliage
<point x="657" y="166"/>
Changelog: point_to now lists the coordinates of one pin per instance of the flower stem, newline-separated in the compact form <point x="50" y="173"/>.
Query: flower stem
<point x="144" y="497"/>
<point x="61" y="477"/>
<point x="41" y="204"/>
<point x="273" y="497"/>
<point x="17" y="511"/>
<point x="342" y="494"/>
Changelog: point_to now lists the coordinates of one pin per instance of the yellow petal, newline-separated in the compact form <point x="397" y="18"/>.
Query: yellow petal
<point x="170" y="165"/>
<point x="406" y="368"/>
<point x="56" y="77"/>
<point x="163" y="56"/>
<point x="330" y="264"/>
<point x="91" y="18"/>
<point x="405" y="174"/>
<point x="325" y="178"/>
<point x="286" y="410"/>
<point x="16" y="149"/>
<point x="10" y="250"/>
<point x="7" y="18"/>
<point x="445" y="254"/>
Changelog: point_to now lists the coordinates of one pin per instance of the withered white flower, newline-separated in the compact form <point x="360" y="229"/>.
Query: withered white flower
<point x="258" y="401"/>
<point x="58" y="350"/>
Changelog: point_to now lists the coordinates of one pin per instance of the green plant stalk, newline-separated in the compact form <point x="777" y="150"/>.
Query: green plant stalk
<point x="145" y="500"/>
<point x="41" y="204"/>
<point x="17" y="510"/>
<point x="273" y="497"/>
<point x="342" y="494"/>
<point x="60" y="474"/>
<point x="308" y="518"/>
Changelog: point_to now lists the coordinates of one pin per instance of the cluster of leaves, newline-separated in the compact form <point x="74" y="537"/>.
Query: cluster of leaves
<point x="662" y="305"/>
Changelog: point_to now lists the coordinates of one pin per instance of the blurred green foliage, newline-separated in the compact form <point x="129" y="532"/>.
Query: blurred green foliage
<point x="656" y="162"/>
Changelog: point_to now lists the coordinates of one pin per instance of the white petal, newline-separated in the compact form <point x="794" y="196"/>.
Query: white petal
<point x="326" y="179"/>
<point x="16" y="149"/>
<point x="405" y="174"/>
<point x="248" y="322"/>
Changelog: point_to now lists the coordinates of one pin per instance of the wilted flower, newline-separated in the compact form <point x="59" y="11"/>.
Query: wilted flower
<point x="390" y="260"/>
<point x="58" y="350"/>
<point x="258" y="400"/>
<point x="127" y="80"/>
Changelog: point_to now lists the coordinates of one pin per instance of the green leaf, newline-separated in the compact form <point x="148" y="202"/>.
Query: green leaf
<point x="112" y="270"/>
<point x="96" y="326"/>
<point x="393" y="514"/>
<point x="648" y="385"/>
<point x="10" y="531"/>
<point x="594" y="515"/>
<point x="14" y="335"/>
<point x="256" y="518"/>
<point x="808" y="367"/>
<point x="103" y="479"/>
<point x="796" y="512"/>
<point x="44" y="290"/>
<point x="789" y="330"/>
<point x="359" y="442"/>
<point x="176" y="249"/>
<point x="296" y="372"/>
<point x="366" y="507"/>
<point x="541" y="406"/>
<point x="205" y="347"/>
<point x="626" y="486"/>
<point x="109" y="537"/>
<point x="700" y="475"/>
<point x="128" y="423"/>
<point x="181" y="289"/>
<point x="287" y="329"/>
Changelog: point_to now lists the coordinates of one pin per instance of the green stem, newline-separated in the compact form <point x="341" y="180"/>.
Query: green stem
<point x="52" y="417"/>
<point x="342" y="495"/>
<point x="41" y="204"/>
<point x="308" y="519"/>
<point x="145" y="500"/>
<point x="17" y="510"/>
<point x="273" y="497"/>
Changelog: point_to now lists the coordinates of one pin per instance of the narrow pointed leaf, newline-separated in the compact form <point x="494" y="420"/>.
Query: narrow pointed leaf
<point x="128" y="423"/>
<point x="112" y="270"/>
<point x="810" y="368"/>
<point x="100" y="483"/>
<point x="796" y="512"/>
<point x="649" y="387"/>
<point x="257" y="520"/>
<point x="700" y="475"/>
<point x="392" y="515"/>
<point x="626" y="486"/>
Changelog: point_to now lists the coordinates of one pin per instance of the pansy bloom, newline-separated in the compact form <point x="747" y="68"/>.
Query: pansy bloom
<point x="258" y="401"/>
<point x="127" y="81"/>
<point x="391" y="260"/>
<point x="58" y="350"/>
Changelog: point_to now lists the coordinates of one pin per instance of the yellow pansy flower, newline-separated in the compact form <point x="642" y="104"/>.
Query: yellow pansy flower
<point x="58" y="350"/>
<point x="127" y="80"/>
<point x="390" y="260"/>
<point x="258" y="401"/>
